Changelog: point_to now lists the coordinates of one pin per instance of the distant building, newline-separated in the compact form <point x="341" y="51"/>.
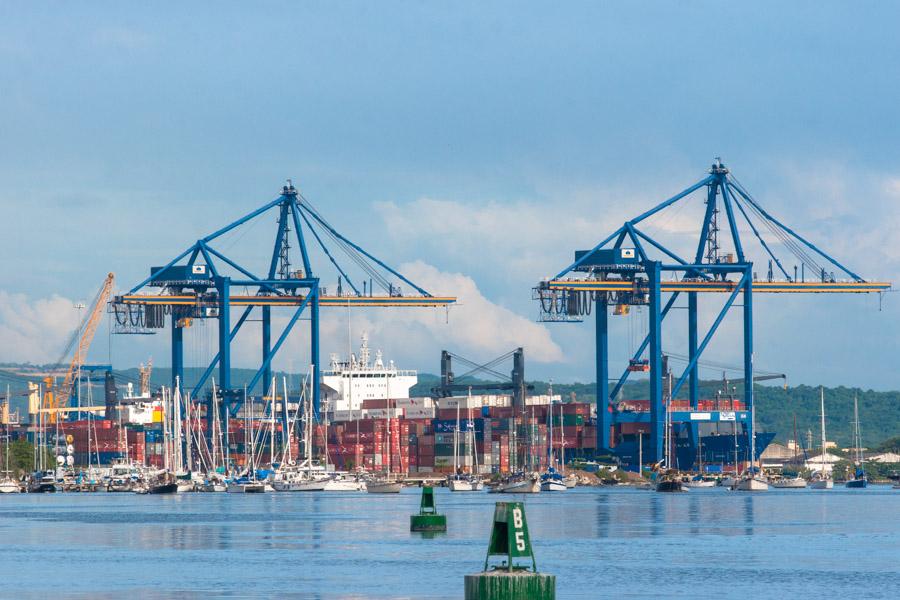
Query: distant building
<point x="775" y="455"/>
<point x="885" y="457"/>
<point x="815" y="463"/>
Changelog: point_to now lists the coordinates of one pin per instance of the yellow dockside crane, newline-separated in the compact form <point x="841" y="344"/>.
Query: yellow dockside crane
<point x="56" y="399"/>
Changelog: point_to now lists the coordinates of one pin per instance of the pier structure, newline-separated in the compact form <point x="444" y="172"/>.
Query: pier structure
<point x="630" y="268"/>
<point x="203" y="282"/>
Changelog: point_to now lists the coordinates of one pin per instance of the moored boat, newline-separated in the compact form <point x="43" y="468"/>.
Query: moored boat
<point x="169" y="487"/>
<point x="8" y="485"/>
<point x="821" y="479"/>
<point x="339" y="482"/>
<point x="384" y="485"/>
<point x="670" y="483"/>
<point x="464" y="483"/>
<point x="163" y="483"/>
<point x="859" y="476"/>
<point x="821" y="483"/>
<point x="245" y="485"/>
<point x="42" y="482"/>
<point x="553" y="481"/>
<point x="522" y="483"/>
<point x="699" y="481"/>
<point x="788" y="483"/>
<point x="752" y="483"/>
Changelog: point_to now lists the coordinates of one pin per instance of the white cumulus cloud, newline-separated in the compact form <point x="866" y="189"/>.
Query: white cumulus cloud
<point x="34" y="330"/>
<point x="475" y="327"/>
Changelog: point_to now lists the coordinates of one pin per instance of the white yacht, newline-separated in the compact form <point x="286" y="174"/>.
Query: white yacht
<point x="8" y="485"/>
<point x="821" y="479"/>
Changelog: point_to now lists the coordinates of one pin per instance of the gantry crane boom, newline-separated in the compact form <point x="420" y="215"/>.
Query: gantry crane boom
<point x="88" y="330"/>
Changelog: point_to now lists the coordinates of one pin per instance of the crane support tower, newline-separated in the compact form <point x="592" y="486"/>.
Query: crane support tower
<point x="630" y="268"/>
<point x="514" y="382"/>
<point x="202" y="282"/>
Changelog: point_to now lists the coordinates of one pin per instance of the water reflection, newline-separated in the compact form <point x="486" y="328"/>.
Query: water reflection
<point x="748" y="513"/>
<point x="354" y="545"/>
<point x="694" y="513"/>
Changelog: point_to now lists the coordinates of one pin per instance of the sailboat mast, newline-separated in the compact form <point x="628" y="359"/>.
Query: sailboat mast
<point x="822" y="412"/>
<point x="7" y="436"/>
<point x="272" y="423"/>
<point x="641" y="453"/>
<point x="562" y="440"/>
<point x="550" y="437"/>
<point x="456" y="443"/>
<point x="856" y="428"/>
<point x="752" y="433"/>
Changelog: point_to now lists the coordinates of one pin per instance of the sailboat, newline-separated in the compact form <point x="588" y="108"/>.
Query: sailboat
<point x="518" y="483"/>
<point x="753" y="480"/>
<point x="699" y="480"/>
<point x="822" y="480"/>
<point x="859" y="477"/>
<point x="248" y="483"/>
<point x="570" y="480"/>
<point x="8" y="485"/>
<point x="786" y="481"/>
<point x="668" y="480"/>
<point x="460" y="481"/>
<point x="386" y="483"/>
<point x="552" y="480"/>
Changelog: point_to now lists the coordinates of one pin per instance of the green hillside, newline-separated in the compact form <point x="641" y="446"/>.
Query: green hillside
<point x="879" y="412"/>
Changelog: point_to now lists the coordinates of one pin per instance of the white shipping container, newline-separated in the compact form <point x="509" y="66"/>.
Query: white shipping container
<point x="414" y="403"/>
<point x="542" y="399"/>
<point x="419" y="413"/>
<point x="339" y="416"/>
<point x="382" y="413"/>
<point x="460" y="401"/>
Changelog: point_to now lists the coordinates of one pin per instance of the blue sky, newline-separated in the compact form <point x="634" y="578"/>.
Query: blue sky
<point x="476" y="144"/>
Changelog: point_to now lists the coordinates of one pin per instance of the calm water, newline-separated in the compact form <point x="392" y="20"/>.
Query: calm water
<point x="598" y="542"/>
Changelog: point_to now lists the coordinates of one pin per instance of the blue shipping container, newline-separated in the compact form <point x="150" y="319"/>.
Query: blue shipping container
<point x="449" y="425"/>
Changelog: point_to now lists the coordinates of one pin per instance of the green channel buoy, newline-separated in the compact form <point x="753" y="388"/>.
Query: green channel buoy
<point x="428" y="519"/>
<point x="510" y="580"/>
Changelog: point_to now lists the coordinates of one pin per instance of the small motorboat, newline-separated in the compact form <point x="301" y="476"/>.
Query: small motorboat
<point x="42" y="482"/>
<point x="699" y="481"/>
<point x="464" y="483"/>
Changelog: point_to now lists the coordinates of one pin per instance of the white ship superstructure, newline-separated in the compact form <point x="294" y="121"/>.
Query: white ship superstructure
<point x="140" y="409"/>
<point x="346" y="384"/>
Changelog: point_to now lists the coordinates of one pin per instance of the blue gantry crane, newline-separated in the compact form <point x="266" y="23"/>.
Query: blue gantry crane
<point x="627" y="269"/>
<point x="201" y="283"/>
